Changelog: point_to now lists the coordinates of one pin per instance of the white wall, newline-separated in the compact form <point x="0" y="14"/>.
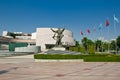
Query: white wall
<point x="44" y="36"/>
<point x="4" y="33"/>
<point x="33" y="35"/>
<point x="23" y="37"/>
<point x="34" y="49"/>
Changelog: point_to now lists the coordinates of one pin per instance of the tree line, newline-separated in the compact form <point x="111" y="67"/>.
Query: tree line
<point x="99" y="45"/>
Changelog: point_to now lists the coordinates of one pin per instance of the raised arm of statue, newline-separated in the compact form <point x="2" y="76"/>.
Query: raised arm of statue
<point x="53" y="30"/>
<point x="63" y="29"/>
<point x="58" y="36"/>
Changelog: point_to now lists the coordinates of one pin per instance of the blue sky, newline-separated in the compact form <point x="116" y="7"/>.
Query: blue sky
<point x="74" y="15"/>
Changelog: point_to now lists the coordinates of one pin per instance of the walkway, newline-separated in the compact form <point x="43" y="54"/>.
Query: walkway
<point x="24" y="68"/>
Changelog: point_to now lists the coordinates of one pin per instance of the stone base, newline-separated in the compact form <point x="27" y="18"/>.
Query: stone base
<point x="34" y="49"/>
<point x="59" y="48"/>
<point x="59" y="60"/>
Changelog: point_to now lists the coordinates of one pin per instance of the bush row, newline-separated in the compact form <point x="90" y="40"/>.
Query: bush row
<point x="102" y="59"/>
<point x="57" y="56"/>
<point x="87" y="58"/>
<point x="82" y="49"/>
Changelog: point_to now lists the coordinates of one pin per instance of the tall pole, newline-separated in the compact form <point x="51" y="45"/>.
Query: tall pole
<point x="88" y="32"/>
<point x="115" y="36"/>
<point x="107" y="25"/>
<point x="101" y="37"/>
<point x="95" y="40"/>
<point x="82" y="34"/>
<point x="101" y="41"/>
<point x="87" y="43"/>
<point x="108" y="41"/>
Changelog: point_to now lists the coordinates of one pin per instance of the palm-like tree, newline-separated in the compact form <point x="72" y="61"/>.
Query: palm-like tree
<point x="11" y="34"/>
<point x="98" y="45"/>
<point x="77" y="43"/>
<point x="113" y="45"/>
<point x="85" y="43"/>
<point x="118" y="41"/>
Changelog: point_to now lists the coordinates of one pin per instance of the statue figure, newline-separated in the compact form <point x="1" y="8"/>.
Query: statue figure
<point x="58" y="36"/>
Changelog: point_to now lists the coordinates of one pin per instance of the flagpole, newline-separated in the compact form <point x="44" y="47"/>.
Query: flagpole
<point x="108" y="41"/>
<point x="80" y="43"/>
<point x="101" y="38"/>
<point x="101" y="41"/>
<point x="95" y="40"/>
<point x="115" y="35"/>
<point x="82" y="34"/>
<point x="88" y="32"/>
<point x="87" y="41"/>
<point x="107" y="25"/>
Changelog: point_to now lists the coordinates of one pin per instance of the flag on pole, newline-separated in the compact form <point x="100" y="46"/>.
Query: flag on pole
<point x="100" y="26"/>
<point x="81" y="32"/>
<point x="116" y="19"/>
<point x="107" y="23"/>
<point x="88" y="31"/>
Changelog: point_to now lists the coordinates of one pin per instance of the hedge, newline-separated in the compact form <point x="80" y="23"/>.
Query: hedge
<point x="57" y="56"/>
<point x="101" y="59"/>
<point x="86" y="58"/>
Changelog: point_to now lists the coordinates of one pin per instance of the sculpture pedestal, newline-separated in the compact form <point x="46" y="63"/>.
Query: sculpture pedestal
<point x="59" y="48"/>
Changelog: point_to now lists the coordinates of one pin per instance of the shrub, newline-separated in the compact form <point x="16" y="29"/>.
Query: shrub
<point x="91" y="50"/>
<point x="87" y="57"/>
<point x="57" y="56"/>
<point x="102" y="59"/>
<point x="82" y="49"/>
<point x="77" y="49"/>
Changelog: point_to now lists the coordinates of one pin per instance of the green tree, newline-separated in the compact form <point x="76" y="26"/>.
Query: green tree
<point x="88" y="45"/>
<point x="113" y="45"/>
<point x="105" y="46"/>
<point x="85" y="43"/>
<point x="90" y="42"/>
<point x="77" y="43"/>
<point x="11" y="34"/>
<point x="98" y="45"/>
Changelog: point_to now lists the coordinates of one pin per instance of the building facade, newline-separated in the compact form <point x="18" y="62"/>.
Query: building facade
<point x="44" y="38"/>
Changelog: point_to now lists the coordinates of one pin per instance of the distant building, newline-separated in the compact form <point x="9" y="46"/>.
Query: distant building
<point x="19" y="35"/>
<point x="4" y="33"/>
<point x="33" y="35"/>
<point x="42" y="37"/>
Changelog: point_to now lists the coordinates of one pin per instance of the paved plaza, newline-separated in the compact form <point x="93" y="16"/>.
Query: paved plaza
<point x="21" y="68"/>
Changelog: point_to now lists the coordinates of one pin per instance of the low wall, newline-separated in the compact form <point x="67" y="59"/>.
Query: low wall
<point x="69" y="60"/>
<point x="34" y="49"/>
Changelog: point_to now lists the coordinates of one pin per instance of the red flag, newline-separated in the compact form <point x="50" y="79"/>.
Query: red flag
<point x="88" y="31"/>
<point x="107" y="23"/>
<point x="81" y="32"/>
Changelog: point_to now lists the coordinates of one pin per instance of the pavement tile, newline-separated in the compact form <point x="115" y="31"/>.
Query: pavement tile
<point x="23" y="69"/>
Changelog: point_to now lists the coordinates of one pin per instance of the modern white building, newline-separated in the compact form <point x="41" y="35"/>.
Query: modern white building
<point x="21" y="35"/>
<point x="33" y="35"/>
<point x="44" y="38"/>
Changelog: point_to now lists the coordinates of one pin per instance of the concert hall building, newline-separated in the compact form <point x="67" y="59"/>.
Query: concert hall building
<point x="43" y="37"/>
